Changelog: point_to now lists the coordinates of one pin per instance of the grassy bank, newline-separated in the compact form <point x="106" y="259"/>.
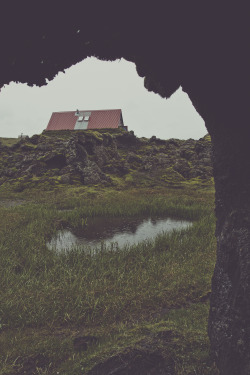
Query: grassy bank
<point x="123" y="298"/>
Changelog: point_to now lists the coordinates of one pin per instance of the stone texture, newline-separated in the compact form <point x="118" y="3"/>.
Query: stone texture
<point x="91" y="157"/>
<point x="229" y="319"/>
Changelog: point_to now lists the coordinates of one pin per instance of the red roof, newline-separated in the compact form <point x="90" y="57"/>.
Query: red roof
<point x="98" y="119"/>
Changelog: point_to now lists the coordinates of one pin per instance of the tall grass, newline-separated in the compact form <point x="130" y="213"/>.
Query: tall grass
<point x="41" y="285"/>
<point x="42" y="288"/>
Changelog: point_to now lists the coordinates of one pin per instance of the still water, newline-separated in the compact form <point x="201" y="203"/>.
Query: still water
<point x="114" y="232"/>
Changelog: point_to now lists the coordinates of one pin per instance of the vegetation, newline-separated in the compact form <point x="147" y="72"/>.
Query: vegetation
<point x="115" y="158"/>
<point x="122" y="298"/>
<point x="8" y="141"/>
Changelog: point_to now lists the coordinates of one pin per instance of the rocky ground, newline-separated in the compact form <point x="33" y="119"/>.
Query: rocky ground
<point x="103" y="157"/>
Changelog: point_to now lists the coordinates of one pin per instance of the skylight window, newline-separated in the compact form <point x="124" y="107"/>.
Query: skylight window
<point x="86" y="118"/>
<point x="80" y="118"/>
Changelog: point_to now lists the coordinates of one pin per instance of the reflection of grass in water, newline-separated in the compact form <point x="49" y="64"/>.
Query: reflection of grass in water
<point x="113" y="294"/>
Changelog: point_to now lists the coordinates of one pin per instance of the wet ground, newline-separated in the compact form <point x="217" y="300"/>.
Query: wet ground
<point x="114" y="232"/>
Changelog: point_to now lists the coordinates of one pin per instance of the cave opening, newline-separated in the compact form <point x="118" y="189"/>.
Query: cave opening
<point x="94" y="84"/>
<point x="201" y="47"/>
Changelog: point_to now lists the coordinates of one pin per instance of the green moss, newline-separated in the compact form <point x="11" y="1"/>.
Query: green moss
<point x="188" y="154"/>
<point x="95" y="134"/>
<point x="129" y="178"/>
<point x="146" y="149"/>
<point x="13" y="169"/>
<point x="112" y="131"/>
<point x="58" y="134"/>
<point x="29" y="146"/>
<point x="116" y="181"/>
<point x="172" y="177"/>
<point x="198" y="182"/>
<point x="8" y="141"/>
<point x="207" y="138"/>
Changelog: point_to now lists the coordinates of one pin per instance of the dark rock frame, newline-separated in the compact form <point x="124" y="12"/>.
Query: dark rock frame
<point x="201" y="46"/>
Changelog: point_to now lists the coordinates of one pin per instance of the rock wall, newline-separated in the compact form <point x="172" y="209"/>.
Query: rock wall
<point x="229" y="320"/>
<point x="92" y="157"/>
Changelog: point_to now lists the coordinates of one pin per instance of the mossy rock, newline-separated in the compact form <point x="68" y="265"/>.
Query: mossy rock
<point x="8" y="141"/>
<point x="95" y="134"/>
<point x="129" y="178"/>
<point x="28" y="146"/>
<point x="172" y="177"/>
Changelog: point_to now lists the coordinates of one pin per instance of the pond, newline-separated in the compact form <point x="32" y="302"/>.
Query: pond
<point x="113" y="232"/>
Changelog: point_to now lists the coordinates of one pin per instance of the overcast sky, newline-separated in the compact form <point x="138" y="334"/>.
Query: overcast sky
<point x="94" y="84"/>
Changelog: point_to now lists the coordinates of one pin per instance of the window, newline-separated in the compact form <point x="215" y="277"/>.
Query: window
<point x="86" y="118"/>
<point x="80" y="118"/>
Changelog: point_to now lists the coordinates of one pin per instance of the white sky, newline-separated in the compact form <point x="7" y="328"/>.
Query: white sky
<point x="94" y="84"/>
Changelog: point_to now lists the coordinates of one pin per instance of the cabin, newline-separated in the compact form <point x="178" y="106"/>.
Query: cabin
<point x="85" y="120"/>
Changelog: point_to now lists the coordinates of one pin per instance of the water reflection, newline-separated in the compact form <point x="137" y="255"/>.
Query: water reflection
<point x="121" y="231"/>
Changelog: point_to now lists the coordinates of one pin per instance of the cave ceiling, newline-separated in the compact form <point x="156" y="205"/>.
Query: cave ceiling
<point x="199" y="45"/>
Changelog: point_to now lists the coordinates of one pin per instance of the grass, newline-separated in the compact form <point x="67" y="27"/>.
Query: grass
<point x="8" y="141"/>
<point x="122" y="297"/>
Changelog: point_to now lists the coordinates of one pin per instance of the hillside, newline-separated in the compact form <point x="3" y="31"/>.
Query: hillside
<point x="104" y="157"/>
